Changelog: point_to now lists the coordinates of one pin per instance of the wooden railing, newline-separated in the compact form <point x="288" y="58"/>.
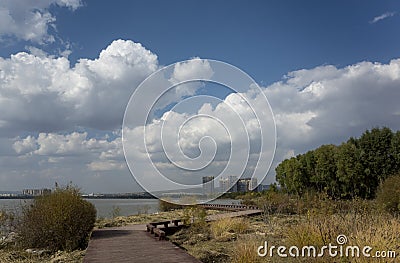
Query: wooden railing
<point x="229" y="207"/>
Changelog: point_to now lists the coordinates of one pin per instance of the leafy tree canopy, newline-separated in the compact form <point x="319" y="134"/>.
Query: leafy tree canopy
<point x="353" y="169"/>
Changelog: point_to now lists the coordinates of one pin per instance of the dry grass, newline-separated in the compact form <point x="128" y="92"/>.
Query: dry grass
<point x="20" y="256"/>
<point x="358" y="220"/>
<point x="245" y="250"/>
<point x="227" y="228"/>
<point x="379" y="231"/>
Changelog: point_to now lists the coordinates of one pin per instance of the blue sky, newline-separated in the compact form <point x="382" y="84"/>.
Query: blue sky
<point x="267" y="39"/>
<point x="330" y="70"/>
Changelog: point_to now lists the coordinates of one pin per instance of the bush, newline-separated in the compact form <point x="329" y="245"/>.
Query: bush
<point x="167" y="205"/>
<point x="226" y="228"/>
<point x="195" y="216"/>
<point x="388" y="196"/>
<point x="248" y="198"/>
<point x="273" y="202"/>
<point x="61" y="220"/>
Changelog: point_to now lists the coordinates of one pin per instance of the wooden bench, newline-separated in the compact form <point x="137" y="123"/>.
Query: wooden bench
<point x="159" y="233"/>
<point x="176" y="221"/>
<point x="165" y="223"/>
<point x="150" y="228"/>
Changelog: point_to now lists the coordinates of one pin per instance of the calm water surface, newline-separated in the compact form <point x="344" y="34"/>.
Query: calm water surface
<point x="125" y="207"/>
<point x="13" y="205"/>
<point x="105" y="207"/>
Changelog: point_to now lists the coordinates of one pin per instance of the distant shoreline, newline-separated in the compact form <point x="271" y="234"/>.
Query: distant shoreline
<point x="86" y="197"/>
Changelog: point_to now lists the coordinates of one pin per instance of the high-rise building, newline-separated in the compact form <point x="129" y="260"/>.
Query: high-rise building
<point x="253" y="184"/>
<point x="208" y="185"/>
<point x="36" y="192"/>
<point x="224" y="185"/>
<point x="242" y="185"/>
<point x="232" y="183"/>
<point x="247" y="184"/>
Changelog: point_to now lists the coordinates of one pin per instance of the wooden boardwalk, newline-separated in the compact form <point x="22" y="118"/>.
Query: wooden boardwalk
<point x="132" y="244"/>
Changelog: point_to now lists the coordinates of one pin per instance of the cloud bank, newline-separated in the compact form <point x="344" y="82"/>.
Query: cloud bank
<point x="44" y="94"/>
<point x="62" y="123"/>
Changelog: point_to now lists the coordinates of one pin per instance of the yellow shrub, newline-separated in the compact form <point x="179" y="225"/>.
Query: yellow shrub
<point x="245" y="250"/>
<point x="61" y="220"/>
<point x="226" y="226"/>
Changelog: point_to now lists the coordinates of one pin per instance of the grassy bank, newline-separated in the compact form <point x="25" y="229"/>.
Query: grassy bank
<point x="237" y="239"/>
<point x="312" y="220"/>
<point x="21" y="256"/>
<point x="240" y="245"/>
<point x="296" y="222"/>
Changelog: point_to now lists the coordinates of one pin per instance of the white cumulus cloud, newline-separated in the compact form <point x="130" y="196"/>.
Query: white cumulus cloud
<point x="328" y="104"/>
<point x="30" y="20"/>
<point x="43" y="93"/>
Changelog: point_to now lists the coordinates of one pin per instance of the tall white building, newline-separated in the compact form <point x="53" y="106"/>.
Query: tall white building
<point x="224" y="185"/>
<point x="36" y="192"/>
<point x="253" y="183"/>
<point x="208" y="185"/>
<point x="232" y="183"/>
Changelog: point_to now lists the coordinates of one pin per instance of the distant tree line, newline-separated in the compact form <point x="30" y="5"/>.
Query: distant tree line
<point x="353" y="169"/>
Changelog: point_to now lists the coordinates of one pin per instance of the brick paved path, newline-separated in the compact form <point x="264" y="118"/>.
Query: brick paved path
<point x="132" y="244"/>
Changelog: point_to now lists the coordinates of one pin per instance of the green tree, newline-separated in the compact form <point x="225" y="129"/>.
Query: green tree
<point x="395" y="151"/>
<point x="309" y="163"/>
<point x="292" y="176"/>
<point x="350" y="171"/>
<point x="281" y="175"/>
<point x="353" y="169"/>
<point x="325" y="170"/>
<point x="376" y="157"/>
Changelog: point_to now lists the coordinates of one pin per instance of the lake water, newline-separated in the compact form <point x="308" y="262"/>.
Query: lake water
<point x="105" y="207"/>
<point x="13" y="205"/>
<point x="125" y="207"/>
